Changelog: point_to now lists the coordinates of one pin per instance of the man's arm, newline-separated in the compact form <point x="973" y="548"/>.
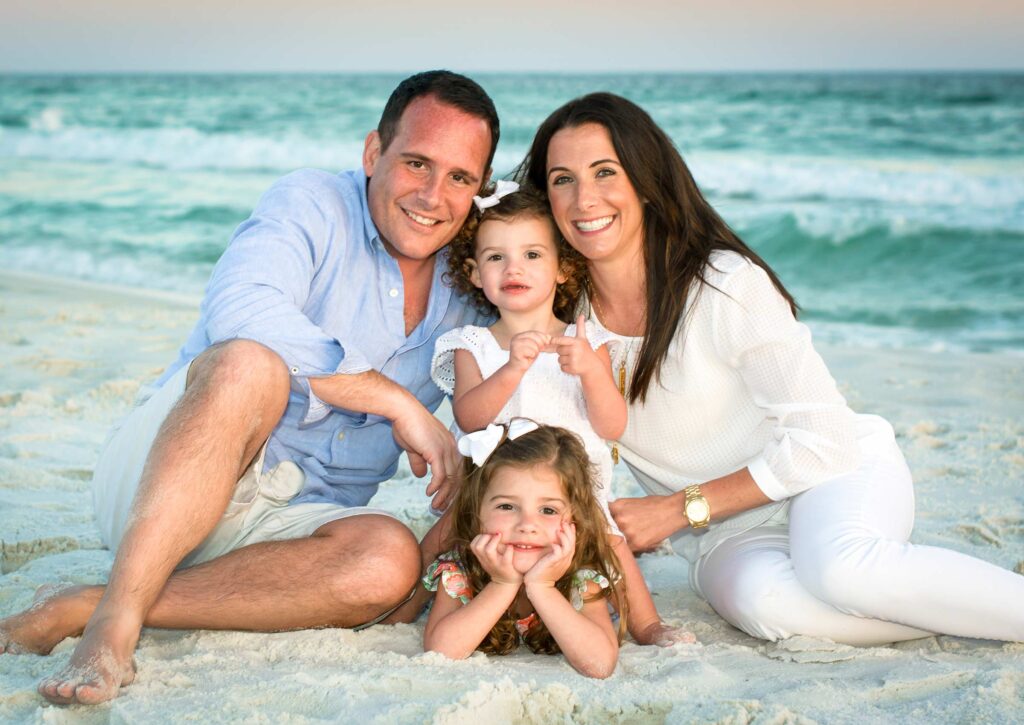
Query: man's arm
<point x="427" y="441"/>
<point x="260" y="290"/>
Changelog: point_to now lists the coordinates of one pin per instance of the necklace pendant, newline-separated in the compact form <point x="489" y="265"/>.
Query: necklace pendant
<point x="615" y="454"/>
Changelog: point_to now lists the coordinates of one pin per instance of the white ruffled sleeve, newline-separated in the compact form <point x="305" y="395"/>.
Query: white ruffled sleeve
<point x="814" y="430"/>
<point x="597" y="336"/>
<point x="442" y="366"/>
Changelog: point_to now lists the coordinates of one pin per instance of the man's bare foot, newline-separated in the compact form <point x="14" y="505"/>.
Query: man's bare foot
<point x="56" y="612"/>
<point x="100" y="665"/>
<point x="663" y="635"/>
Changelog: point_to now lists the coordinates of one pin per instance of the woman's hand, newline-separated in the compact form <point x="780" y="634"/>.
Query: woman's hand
<point x="498" y="566"/>
<point x="647" y="521"/>
<point x="552" y="566"/>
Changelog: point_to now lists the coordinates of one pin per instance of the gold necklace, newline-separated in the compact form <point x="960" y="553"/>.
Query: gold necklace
<point x="622" y="367"/>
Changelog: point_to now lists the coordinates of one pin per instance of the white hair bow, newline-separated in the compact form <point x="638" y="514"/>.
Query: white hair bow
<point x="480" y="444"/>
<point x="502" y="189"/>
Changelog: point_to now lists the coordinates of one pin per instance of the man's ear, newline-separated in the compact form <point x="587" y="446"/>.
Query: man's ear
<point x="473" y="271"/>
<point x="371" y="152"/>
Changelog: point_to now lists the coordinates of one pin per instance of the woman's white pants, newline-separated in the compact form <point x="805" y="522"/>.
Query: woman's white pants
<point x="844" y="569"/>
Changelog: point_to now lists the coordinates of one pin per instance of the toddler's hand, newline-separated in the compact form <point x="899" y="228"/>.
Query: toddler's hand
<point x="664" y="635"/>
<point x="575" y="355"/>
<point x="552" y="566"/>
<point x="498" y="566"/>
<point x="524" y="348"/>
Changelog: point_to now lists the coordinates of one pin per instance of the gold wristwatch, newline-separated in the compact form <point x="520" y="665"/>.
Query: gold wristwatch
<point x="696" y="508"/>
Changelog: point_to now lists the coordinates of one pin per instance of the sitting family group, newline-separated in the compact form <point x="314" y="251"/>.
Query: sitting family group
<point x="595" y="307"/>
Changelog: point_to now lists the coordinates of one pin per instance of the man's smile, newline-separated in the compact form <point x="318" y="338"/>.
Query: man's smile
<point x="420" y="219"/>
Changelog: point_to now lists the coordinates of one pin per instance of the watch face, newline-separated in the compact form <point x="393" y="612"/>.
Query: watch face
<point x="697" y="510"/>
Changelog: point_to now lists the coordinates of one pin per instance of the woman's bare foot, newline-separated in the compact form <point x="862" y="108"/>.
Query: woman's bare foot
<point x="56" y="612"/>
<point x="663" y="635"/>
<point x="100" y="665"/>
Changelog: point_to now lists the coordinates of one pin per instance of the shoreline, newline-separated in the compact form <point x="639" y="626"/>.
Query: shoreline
<point x="76" y="352"/>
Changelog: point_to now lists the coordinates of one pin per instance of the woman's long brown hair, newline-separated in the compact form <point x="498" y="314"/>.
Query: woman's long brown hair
<point x="562" y="452"/>
<point x="680" y="227"/>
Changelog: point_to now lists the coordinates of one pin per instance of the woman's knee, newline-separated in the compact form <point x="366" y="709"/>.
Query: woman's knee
<point x="754" y="600"/>
<point x="848" y="574"/>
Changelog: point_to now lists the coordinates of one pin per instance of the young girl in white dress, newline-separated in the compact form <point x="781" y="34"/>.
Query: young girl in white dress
<point x="533" y="362"/>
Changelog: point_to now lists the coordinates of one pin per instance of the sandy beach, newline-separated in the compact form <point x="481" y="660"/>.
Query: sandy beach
<point x="74" y="354"/>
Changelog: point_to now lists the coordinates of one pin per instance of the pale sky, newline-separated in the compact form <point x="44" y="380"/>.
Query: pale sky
<point x="502" y="35"/>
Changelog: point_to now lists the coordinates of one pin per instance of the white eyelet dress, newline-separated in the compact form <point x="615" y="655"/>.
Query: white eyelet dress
<point x="545" y="395"/>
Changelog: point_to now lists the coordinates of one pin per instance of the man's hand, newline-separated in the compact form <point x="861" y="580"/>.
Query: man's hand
<point x="419" y="433"/>
<point x="524" y="348"/>
<point x="647" y="521"/>
<point x="552" y="566"/>
<point x="428" y="443"/>
<point x="575" y="355"/>
<point x="498" y="566"/>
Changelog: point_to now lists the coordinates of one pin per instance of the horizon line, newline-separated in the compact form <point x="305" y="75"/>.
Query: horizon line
<point x="539" y="72"/>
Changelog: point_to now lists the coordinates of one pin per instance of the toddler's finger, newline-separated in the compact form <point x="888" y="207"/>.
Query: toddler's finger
<point x="581" y="327"/>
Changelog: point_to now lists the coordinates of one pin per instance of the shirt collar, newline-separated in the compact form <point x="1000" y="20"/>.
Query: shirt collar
<point x="370" y="229"/>
<point x="441" y="293"/>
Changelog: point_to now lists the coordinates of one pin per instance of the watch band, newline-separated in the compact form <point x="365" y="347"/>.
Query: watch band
<point x="696" y="507"/>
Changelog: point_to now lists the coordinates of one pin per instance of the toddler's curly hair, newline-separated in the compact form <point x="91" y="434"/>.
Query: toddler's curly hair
<point x="526" y="203"/>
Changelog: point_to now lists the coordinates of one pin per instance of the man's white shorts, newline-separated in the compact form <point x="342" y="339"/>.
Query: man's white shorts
<point x="258" y="510"/>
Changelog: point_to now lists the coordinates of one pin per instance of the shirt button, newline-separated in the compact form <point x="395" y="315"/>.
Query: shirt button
<point x="295" y="371"/>
<point x="341" y="436"/>
<point x="393" y="292"/>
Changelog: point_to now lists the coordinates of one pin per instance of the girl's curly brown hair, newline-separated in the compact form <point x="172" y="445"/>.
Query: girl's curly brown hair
<point x="525" y="203"/>
<point x="563" y="452"/>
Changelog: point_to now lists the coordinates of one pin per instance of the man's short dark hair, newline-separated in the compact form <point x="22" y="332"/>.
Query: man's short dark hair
<point x="450" y="88"/>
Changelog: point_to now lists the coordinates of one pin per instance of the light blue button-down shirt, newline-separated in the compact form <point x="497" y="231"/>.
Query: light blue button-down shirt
<point x="308" y="276"/>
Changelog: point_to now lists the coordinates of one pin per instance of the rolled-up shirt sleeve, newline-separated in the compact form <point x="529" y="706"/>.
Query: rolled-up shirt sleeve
<point x="813" y="436"/>
<point x="260" y="286"/>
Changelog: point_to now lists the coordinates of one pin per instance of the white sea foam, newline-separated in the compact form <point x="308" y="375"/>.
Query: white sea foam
<point x="979" y="187"/>
<point x="49" y="120"/>
<point x="965" y="194"/>
<point x="174" y="148"/>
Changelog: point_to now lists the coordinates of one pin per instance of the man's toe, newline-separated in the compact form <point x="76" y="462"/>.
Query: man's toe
<point x="93" y="693"/>
<point x="50" y="689"/>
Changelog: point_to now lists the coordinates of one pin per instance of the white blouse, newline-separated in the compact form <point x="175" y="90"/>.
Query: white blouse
<point x="742" y="386"/>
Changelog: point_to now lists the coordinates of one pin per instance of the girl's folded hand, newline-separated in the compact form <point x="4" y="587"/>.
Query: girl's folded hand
<point x="553" y="565"/>
<point x="498" y="565"/>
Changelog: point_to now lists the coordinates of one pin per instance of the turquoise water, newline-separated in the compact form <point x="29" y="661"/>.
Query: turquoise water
<point x="891" y="205"/>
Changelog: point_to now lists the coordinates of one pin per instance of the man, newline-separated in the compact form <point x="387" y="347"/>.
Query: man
<point x="235" y="494"/>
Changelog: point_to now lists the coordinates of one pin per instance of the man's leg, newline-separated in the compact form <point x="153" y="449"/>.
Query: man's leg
<point x="235" y="395"/>
<point x="333" y="578"/>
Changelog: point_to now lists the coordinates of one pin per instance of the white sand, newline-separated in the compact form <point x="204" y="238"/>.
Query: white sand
<point x="73" y="356"/>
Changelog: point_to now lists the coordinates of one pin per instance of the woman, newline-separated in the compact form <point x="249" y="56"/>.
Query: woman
<point x="794" y="512"/>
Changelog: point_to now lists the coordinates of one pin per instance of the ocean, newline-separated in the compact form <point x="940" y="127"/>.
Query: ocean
<point x="892" y="205"/>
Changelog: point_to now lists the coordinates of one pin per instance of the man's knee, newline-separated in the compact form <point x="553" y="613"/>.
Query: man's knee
<point x="243" y="372"/>
<point x="378" y="562"/>
<point x="235" y="362"/>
